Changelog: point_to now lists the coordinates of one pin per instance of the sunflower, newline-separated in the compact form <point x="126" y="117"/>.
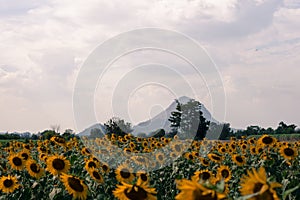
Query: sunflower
<point x="145" y="144"/>
<point x="288" y="153"/>
<point x="101" y="142"/>
<point x="25" y="155"/>
<point x="202" y="176"/>
<point x="173" y="155"/>
<point x="166" y="141"/>
<point x="127" y="136"/>
<point x="113" y="137"/>
<point x="232" y="145"/>
<point x="160" y="157"/>
<point x="85" y="151"/>
<point x="253" y="150"/>
<point x="8" y="184"/>
<point x="152" y="145"/>
<point x="239" y="160"/>
<point x="189" y="156"/>
<point x="175" y="137"/>
<point x="95" y="174"/>
<point x="215" y="158"/>
<point x="127" y="151"/>
<point x="196" y="144"/>
<point x="59" y="140"/>
<point x="259" y="149"/>
<point x="34" y="169"/>
<point x="244" y="147"/>
<point x="204" y="161"/>
<point x="16" y="161"/>
<point x="95" y="159"/>
<point x="89" y="164"/>
<point x="105" y="168"/>
<point x="57" y="165"/>
<point x="177" y="148"/>
<point x="224" y="173"/>
<point x="222" y="150"/>
<point x="147" y="150"/>
<point x="195" y="153"/>
<point x="43" y="157"/>
<point x="266" y="140"/>
<point x="252" y="140"/>
<point x="27" y="146"/>
<point x="204" y="142"/>
<point x="230" y="150"/>
<point x="193" y="190"/>
<point x="75" y="186"/>
<point x="158" y="145"/>
<point x="140" y="160"/>
<point x="256" y="183"/>
<point x="143" y="176"/>
<point x="132" y="145"/>
<point x="123" y="173"/>
<point x="140" y="191"/>
<point x="42" y="149"/>
<point x="18" y="145"/>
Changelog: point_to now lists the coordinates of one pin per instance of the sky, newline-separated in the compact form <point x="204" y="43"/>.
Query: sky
<point x="255" y="46"/>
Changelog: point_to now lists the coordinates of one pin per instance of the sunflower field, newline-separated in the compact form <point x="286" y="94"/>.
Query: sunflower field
<point x="131" y="168"/>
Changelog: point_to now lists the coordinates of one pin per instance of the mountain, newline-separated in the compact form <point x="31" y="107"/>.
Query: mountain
<point x="87" y="131"/>
<point x="161" y="121"/>
<point x="151" y="126"/>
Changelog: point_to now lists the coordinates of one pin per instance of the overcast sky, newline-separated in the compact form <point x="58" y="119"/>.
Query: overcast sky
<point x="254" y="44"/>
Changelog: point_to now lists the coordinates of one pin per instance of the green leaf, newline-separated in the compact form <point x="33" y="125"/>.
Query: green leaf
<point x="287" y="192"/>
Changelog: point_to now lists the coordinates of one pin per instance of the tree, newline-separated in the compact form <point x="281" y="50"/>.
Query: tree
<point x="117" y="126"/>
<point x="252" y="130"/>
<point x="192" y="122"/>
<point x="34" y="137"/>
<point x="68" y="133"/>
<point x="285" y="129"/>
<point x="26" y="135"/>
<point x="47" y="134"/>
<point x="175" y="118"/>
<point x="226" y="131"/>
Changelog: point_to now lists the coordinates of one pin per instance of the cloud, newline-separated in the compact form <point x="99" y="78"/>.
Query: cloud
<point x="247" y="17"/>
<point x="44" y="43"/>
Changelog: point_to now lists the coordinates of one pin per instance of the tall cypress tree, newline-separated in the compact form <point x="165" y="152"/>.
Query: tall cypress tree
<point x="175" y="118"/>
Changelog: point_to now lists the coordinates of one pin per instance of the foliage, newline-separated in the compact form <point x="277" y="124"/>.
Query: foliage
<point x="175" y="117"/>
<point x="282" y="129"/>
<point x="117" y="126"/>
<point x="188" y="120"/>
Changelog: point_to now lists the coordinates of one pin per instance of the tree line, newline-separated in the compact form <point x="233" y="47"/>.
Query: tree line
<point x="187" y="121"/>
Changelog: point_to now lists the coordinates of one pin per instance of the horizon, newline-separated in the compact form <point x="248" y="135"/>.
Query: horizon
<point x="252" y="45"/>
<point x="102" y="123"/>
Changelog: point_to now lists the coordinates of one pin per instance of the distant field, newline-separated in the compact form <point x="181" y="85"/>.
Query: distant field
<point x="3" y="142"/>
<point x="282" y="137"/>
